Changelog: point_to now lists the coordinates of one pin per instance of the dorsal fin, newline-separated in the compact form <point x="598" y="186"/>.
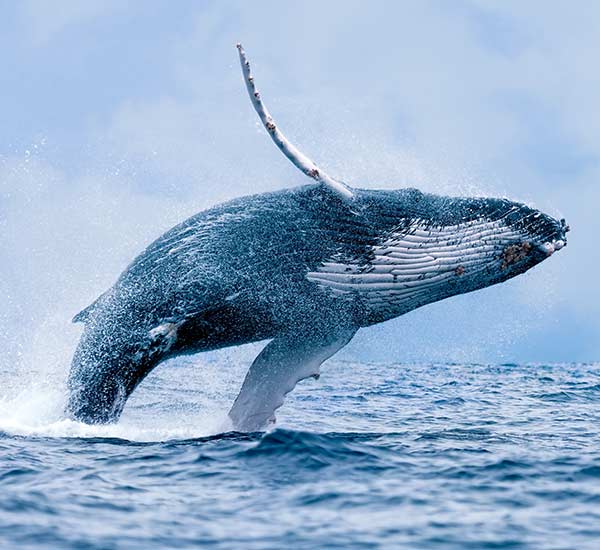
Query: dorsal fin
<point x="85" y="313"/>
<point x="299" y="160"/>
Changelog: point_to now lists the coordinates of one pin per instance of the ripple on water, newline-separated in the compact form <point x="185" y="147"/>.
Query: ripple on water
<point x="371" y="456"/>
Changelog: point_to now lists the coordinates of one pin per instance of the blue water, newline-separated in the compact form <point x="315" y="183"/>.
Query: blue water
<point x="369" y="456"/>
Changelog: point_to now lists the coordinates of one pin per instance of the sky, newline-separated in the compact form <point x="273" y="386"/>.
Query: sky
<point x="120" y="119"/>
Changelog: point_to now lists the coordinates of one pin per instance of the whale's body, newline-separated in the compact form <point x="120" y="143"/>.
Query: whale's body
<point x="305" y="268"/>
<point x="302" y="267"/>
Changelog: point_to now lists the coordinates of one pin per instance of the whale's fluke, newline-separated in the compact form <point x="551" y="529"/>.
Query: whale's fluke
<point x="299" y="160"/>
<point x="283" y="363"/>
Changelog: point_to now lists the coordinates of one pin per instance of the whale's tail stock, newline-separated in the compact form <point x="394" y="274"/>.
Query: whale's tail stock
<point x="114" y="354"/>
<point x="102" y="379"/>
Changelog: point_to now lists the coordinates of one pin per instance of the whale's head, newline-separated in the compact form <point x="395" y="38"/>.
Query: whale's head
<point x="485" y="240"/>
<point x="430" y="247"/>
<point x="525" y="238"/>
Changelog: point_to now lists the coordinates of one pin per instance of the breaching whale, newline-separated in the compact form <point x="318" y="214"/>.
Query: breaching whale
<point x="305" y="267"/>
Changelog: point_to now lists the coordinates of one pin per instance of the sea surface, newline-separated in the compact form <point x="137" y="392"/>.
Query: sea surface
<point x="371" y="455"/>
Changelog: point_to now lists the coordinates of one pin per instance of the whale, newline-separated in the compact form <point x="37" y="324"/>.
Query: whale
<point x="304" y="268"/>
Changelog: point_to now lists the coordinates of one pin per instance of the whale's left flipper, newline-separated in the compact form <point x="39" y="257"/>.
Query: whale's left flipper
<point x="283" y="363"/>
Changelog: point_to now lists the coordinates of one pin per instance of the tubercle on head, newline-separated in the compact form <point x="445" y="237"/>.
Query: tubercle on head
<point x="515" y="253"/>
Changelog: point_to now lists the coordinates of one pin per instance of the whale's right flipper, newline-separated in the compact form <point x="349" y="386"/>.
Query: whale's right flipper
<point x="300" y="160"/>
<point x="283" y="363"/>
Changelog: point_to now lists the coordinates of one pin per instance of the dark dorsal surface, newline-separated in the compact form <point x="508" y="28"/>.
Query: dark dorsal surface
<point x="250" y="252"/>
<point x="255" y="252"/>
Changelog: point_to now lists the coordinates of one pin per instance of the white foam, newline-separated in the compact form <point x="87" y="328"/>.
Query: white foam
<point x="36" y="414"/>
<point x="184" y="398"/>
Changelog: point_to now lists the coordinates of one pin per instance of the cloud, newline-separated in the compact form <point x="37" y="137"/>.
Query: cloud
<point x="44" y="20"/>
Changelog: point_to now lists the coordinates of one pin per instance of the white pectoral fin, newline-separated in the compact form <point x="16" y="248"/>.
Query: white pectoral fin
<point x="278" y="368"/>
<point x="299" y="159"/>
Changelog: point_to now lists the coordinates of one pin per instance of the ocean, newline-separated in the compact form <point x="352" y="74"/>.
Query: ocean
<point x="371" y="455"/>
